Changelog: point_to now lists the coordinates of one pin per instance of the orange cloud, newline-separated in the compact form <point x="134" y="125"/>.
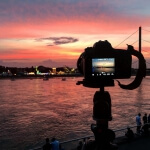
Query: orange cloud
<point x="83" y="22"/>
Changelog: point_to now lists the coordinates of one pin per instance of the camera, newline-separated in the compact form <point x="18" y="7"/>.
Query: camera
<point x="102" y="63"/>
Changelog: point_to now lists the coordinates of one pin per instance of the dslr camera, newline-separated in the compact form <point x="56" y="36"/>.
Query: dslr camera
<point x="102" y="63"/>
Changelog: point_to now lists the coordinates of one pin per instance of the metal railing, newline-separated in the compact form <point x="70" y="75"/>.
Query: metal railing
<point x="122" y="133"/>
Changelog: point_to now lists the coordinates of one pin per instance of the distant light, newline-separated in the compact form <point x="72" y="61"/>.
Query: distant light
<point x="31" y="73"/>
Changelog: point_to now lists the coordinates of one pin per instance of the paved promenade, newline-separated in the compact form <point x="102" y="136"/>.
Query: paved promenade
<point x="141" y="143"/>
<point x="138" y="143"/>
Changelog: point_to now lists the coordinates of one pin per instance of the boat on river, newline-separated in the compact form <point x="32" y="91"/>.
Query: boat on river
<point x="63" y="79"/>
<point x="45" y="78"/>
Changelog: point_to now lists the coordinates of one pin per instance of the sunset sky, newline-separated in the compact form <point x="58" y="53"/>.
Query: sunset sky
<point x="59" y="30"/>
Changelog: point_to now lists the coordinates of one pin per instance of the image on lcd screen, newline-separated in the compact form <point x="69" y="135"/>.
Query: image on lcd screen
<point x="103" y="66"/>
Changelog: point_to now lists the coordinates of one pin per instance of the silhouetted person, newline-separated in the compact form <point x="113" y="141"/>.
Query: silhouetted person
<point x="55" y="144"/>
<point x="103" y="139"/>
<point x="138" y="122"/>
<point x="145" y="119"/>
<point x="47" y="146"/>
<point x="129" y="134"/>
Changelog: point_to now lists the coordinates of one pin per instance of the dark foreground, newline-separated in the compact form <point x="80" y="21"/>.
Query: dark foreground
<point x="139" y="143"/>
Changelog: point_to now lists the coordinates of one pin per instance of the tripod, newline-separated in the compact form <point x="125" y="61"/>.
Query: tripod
<point x="102" y="114"/>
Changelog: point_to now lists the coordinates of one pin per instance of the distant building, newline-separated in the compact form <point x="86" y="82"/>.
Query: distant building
<point x="54" y="70"/>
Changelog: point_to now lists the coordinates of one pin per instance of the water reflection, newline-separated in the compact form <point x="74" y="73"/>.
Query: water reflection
<point x="35" y="109"/>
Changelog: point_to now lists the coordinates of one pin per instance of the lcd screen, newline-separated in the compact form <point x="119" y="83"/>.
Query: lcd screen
<point x="103" y="66"/>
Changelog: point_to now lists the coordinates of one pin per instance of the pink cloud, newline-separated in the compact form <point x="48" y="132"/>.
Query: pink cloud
<point x="111" y="15"/>
<point x="105" y="25"/>
<point x="30" y="20"/>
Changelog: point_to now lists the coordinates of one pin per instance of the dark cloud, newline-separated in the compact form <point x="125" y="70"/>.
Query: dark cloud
<point x="58" y="40"/>
<point x="44" y="10"/>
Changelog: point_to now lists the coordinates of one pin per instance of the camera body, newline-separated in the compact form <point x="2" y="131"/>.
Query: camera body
<point x="102" y="63"/>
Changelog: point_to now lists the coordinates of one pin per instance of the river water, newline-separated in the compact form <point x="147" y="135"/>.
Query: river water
<point x="31" y="110"/>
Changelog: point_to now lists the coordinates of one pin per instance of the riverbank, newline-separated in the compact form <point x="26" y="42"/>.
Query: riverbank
<point x="52" y="76"/>
<point x="40" y="76"/>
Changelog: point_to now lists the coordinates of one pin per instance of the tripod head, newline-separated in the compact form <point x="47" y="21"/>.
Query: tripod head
<point x="102" y="105"/>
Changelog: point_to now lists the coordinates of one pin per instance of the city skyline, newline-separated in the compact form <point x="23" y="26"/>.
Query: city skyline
<point x="56" y="32"/>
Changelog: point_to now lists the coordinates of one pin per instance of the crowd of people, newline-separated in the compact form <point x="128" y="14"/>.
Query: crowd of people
<point x="146" y="122"/>
<point x="53" y="145"/>
<point x="143" y="123"/>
